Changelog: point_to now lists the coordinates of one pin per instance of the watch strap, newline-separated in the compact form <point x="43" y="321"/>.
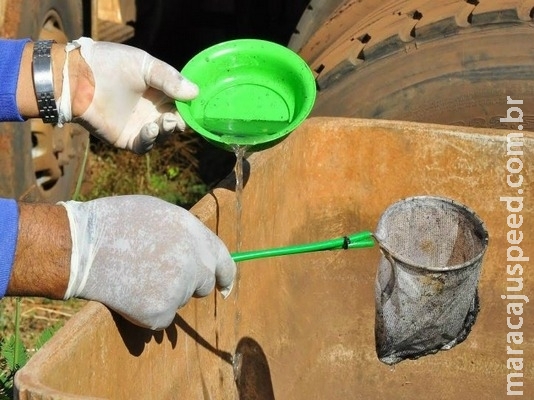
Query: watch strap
<point x="43" y="81"/>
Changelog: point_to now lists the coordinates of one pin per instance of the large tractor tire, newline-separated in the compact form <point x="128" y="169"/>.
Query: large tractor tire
<point x="40" y="162"/>
<point x="447" y="62"/>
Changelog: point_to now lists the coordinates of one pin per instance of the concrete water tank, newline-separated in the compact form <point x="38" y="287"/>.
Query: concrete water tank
<point x="303" y="325"/>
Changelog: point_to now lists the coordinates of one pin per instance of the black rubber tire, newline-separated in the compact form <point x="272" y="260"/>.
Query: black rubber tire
<point x="41" y="162"/>
<point x="312" y="18"/>
<point x="441" y="62"/>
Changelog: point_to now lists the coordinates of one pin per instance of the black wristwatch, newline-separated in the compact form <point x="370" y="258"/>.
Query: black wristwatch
<point x="43" y="81"/>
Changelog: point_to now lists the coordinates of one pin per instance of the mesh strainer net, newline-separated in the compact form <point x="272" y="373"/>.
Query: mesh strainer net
<point x="426" y="285"/>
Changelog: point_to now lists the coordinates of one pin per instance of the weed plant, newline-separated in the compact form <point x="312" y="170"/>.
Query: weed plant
<point x="14" y="352"/>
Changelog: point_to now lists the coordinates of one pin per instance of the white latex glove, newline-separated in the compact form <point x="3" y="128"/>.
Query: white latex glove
<point x="134" y="95"/>
<point x="143" y="257"/>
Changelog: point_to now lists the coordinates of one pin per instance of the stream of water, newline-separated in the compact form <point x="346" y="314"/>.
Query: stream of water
<point x="240" y="155"/>
<point x="238" y="170"/>
<point x="239" y="152"/>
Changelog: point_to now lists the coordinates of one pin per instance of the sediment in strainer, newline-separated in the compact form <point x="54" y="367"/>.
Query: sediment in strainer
<point x="426" y="285"/>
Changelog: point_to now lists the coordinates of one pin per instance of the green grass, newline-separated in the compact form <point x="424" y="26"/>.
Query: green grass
<point x="26" y="325"/>
<point x="169" y="171"/>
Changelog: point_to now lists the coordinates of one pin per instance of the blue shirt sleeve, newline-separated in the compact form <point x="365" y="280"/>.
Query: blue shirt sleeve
<point x="10" y="57"/>
<point x="9" y="225"/>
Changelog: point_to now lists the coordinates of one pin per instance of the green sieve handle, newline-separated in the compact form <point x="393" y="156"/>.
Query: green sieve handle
<point x="355" y="241"/>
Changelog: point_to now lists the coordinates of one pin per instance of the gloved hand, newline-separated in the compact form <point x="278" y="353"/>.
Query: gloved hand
<point x="143" y="257"/>
<point x="133" y="97"/>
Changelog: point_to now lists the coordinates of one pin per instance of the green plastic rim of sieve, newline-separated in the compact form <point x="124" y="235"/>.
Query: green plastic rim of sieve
<point x="253" y="93"/>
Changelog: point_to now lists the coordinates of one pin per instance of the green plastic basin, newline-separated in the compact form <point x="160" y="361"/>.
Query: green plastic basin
<point x="252" y="93"/>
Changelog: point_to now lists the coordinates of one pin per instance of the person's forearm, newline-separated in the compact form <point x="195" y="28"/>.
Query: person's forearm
<point x="42" y="259"/>
<point x="81" y="81"/>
